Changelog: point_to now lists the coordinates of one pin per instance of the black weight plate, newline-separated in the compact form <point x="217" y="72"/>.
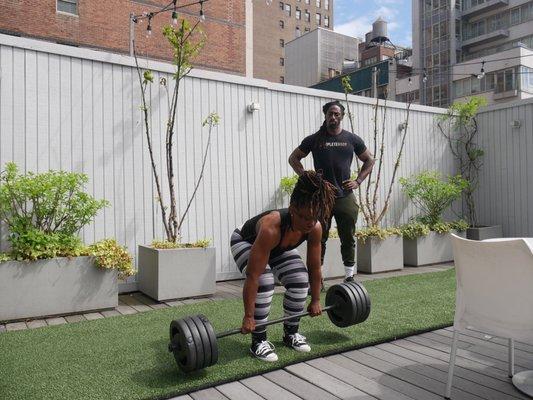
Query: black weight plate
<point x="184" y="348"/>
<point x="212" y="338"/>
<point x="197" y="341"/>
<point x="342" y="314"/>
<point x="205" y="340"/>
<point x="363" y="294"/>
<point x="357" y="309"/>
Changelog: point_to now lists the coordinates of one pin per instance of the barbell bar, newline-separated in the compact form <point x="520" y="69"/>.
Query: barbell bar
<point x="194" y="342"/>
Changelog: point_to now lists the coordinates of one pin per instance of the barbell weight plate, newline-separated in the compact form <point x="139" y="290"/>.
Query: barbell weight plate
<point x="365" y="302"/>
<point x="357" y="310"/>
<point x="199" y="346"/>
<point x="212" y="338"/>
<point x="183" y="345"/>
<point x="206" y="343"/>
<point x="368" y="302"/>
<point x="342" y="314"/>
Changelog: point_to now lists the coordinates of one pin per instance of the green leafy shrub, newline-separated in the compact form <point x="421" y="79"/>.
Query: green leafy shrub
<point x="460" y="225"/>
<point x="376" y="232"/>
<point x="333" y="234"/>
<point x="287" y="184"/>
<point x="5" y="257"/>
<point x="108" y="254"/>
<point x="432" y="195"/>
<point x="165" y="244"/>
<point x="34" y="244"/>
<point x="441" y="227"/>
<point x="414" y="230"/>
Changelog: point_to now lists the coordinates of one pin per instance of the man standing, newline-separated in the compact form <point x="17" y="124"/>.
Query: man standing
<point x="333" y="148"/>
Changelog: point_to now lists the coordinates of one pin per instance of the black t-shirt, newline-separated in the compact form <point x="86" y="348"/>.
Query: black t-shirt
<point x="333" y="155"/>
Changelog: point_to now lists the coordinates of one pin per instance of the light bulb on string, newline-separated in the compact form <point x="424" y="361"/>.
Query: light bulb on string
<point x="174" y="17"/>
<point x="202" y="14"/>
<point x="149" y="27"/>
<point x="425" y="76"/>
<point x="482" y="72"/>
<point x="410" y="82"/>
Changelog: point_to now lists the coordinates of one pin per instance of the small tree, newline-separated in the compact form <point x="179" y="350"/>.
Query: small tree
<point x="459" y="127"/>
<point x="186" y="42"/>
<point x="368" y="197"/>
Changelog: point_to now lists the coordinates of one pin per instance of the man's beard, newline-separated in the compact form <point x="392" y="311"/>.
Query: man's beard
<point x="333" y="125"/>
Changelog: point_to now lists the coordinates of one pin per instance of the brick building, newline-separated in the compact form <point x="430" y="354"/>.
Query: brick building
<point x="106" y="25"/>
<point x="279" y="22"/>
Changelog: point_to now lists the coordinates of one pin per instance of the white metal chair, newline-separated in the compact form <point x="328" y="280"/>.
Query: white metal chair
<point x="494" y="292"/>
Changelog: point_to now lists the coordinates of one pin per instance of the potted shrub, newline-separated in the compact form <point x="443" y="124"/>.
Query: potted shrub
<point x="426" y="240"/>
<point x="167" y="268"/>
<point x="48" y="271"/>
<point x="459" y="127"/>
<point x="379" y="249"/>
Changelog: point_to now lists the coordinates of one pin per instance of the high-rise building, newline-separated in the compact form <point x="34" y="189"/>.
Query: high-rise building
<point x="319" y="55"/>
<point x="106" y="25"/>
<point x="275" y="23"/>
<point x="458" y="47"/>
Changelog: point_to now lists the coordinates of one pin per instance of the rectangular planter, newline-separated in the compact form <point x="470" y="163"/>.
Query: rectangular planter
<point x="166" y="274"/>
<point x="484" y="232"/>
<point x="374" y="255"/>
<point x="433" y="248"/>
<point x="333" y="266"/>
<point x="30" y="289"/>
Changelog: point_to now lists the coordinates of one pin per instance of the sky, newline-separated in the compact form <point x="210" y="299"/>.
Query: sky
<point x="355" y="17"/>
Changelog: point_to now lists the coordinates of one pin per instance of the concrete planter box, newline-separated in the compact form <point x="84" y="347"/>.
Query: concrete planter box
<point x="333" y="266"/>
<point x="30" y="289"/>
<point x="484" y="232"/>
<point x="433" y="248"/>
<point x="176" y="273"/>
<point x="375" y="255"/>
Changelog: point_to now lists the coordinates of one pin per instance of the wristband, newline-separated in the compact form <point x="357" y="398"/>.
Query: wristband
<point x="357" y="180"/>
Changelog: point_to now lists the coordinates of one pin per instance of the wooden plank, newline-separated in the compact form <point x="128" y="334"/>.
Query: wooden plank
<point x="148" y="301"/>
<point x="327" y="382"/>
<point x="351" y="377"/>
<point x="133" y="302"/>
<point x="518" y="345"/>
<point x="208" y="394"/>
<point x="421" y="381"/>
<point x="268" y="389"/>
<point x="428" y="369"/>
<point x="298" y="386"/>
<point x="237" y="391"/>
<point x="467" y="374"/>
<point x="398" y="385"/>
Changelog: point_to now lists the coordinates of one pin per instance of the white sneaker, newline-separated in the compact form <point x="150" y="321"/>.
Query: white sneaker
<point x="297" y="342"/>
<point x="264" y="351"/>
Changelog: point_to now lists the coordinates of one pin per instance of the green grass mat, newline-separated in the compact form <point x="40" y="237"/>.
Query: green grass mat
<point x="126" y="357"/>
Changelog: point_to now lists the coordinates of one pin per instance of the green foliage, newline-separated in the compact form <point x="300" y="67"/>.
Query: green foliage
<point x="463" y="113"/>
<point x="184" y="48"/>
<point x="346" y="85"/>
<point x="148" y="76"/>
<point x="432" y="195"/>
<point x="165" y="244"/>
<point x="288" y="183"/>
<point x="460" y="225"/>
<point x="5" y="257"/>
<point x="376" y="232"/>
<point x="414" y="230"/>
<point x="108" y="254"/>
<point x="333" y="234"/>
<point x="212" y="120"/>
<point x="34" y="244"/>
<point x="441" y="227"/>
<point x="52" y="202"/>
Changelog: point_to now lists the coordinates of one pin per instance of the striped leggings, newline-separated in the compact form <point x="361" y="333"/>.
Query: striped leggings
<point x="289" y="269"/>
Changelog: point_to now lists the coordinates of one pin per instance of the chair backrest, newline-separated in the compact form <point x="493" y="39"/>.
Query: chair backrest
<point x="494" y="287"/>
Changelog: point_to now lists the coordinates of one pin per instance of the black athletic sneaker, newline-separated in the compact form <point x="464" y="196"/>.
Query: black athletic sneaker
<point x="297" y="342"/>
<point x="349" y="279"/>
<point x="264" y="351"/>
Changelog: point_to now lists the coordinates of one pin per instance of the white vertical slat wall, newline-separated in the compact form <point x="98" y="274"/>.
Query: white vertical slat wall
<point x="79" y="110"/>
<point x="505" y="192"/>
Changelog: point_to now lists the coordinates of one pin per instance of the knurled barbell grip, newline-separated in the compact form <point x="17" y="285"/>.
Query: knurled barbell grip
<point x="274" y="321"/>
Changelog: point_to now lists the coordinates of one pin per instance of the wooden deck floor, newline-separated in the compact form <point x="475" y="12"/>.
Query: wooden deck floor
<point x="412" y="368"/>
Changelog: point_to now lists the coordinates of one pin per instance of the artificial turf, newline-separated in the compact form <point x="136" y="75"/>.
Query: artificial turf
<point x="126" y="357"/>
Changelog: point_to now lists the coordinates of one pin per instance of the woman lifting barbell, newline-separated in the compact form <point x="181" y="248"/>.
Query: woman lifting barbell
<point x="265" y="246"/>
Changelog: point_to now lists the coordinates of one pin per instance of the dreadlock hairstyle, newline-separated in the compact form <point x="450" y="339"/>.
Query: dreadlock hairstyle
<point x="314" y="192"/>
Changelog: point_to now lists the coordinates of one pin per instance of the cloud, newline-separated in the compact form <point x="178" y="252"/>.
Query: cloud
<point x="356" y="27"/>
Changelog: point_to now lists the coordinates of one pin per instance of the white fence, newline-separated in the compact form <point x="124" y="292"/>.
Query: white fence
<point x="77" y="109"/>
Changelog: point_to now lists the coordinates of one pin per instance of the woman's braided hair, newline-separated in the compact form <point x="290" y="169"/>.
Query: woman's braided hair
<point x="313" y="191"/>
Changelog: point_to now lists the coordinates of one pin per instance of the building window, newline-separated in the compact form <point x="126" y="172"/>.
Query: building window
<point x="281" y="43"/>
<point x="318" y="3"/>
<point x="326" y="4"/>
<point x="326" y="21"/>
<point x="281" y="61"/>
<point x="307" y="29"/>
<point x="298" y="13"/>
<point x="307" y="1"/>
<point x="288" y="9"/>
<point x="281" y="24"/>
<point x="282" y="79"/>
<point x="68" y="6"/>
<point x="281" y="6"/>
<point x="318" y="19"/>
<point x="298" y="33"/>
<point x="307" y="16"/>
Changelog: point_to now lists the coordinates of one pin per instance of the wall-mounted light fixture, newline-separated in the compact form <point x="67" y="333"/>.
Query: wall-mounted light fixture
<point x="254" y="106"/>
<point x="515" y="123"/>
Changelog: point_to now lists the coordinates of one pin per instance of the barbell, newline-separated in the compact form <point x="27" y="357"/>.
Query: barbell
<point x="194" y="342"/>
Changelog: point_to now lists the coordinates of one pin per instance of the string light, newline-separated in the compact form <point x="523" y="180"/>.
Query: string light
<point x="202" y="14"/>
<point x="172" y="6"/>
<point x="149" y="27"/>
<point x="409" y="81"/>
<point x="482" y="72"/>
<point x="175" y="14"/>
<point x="425" y="76"/>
